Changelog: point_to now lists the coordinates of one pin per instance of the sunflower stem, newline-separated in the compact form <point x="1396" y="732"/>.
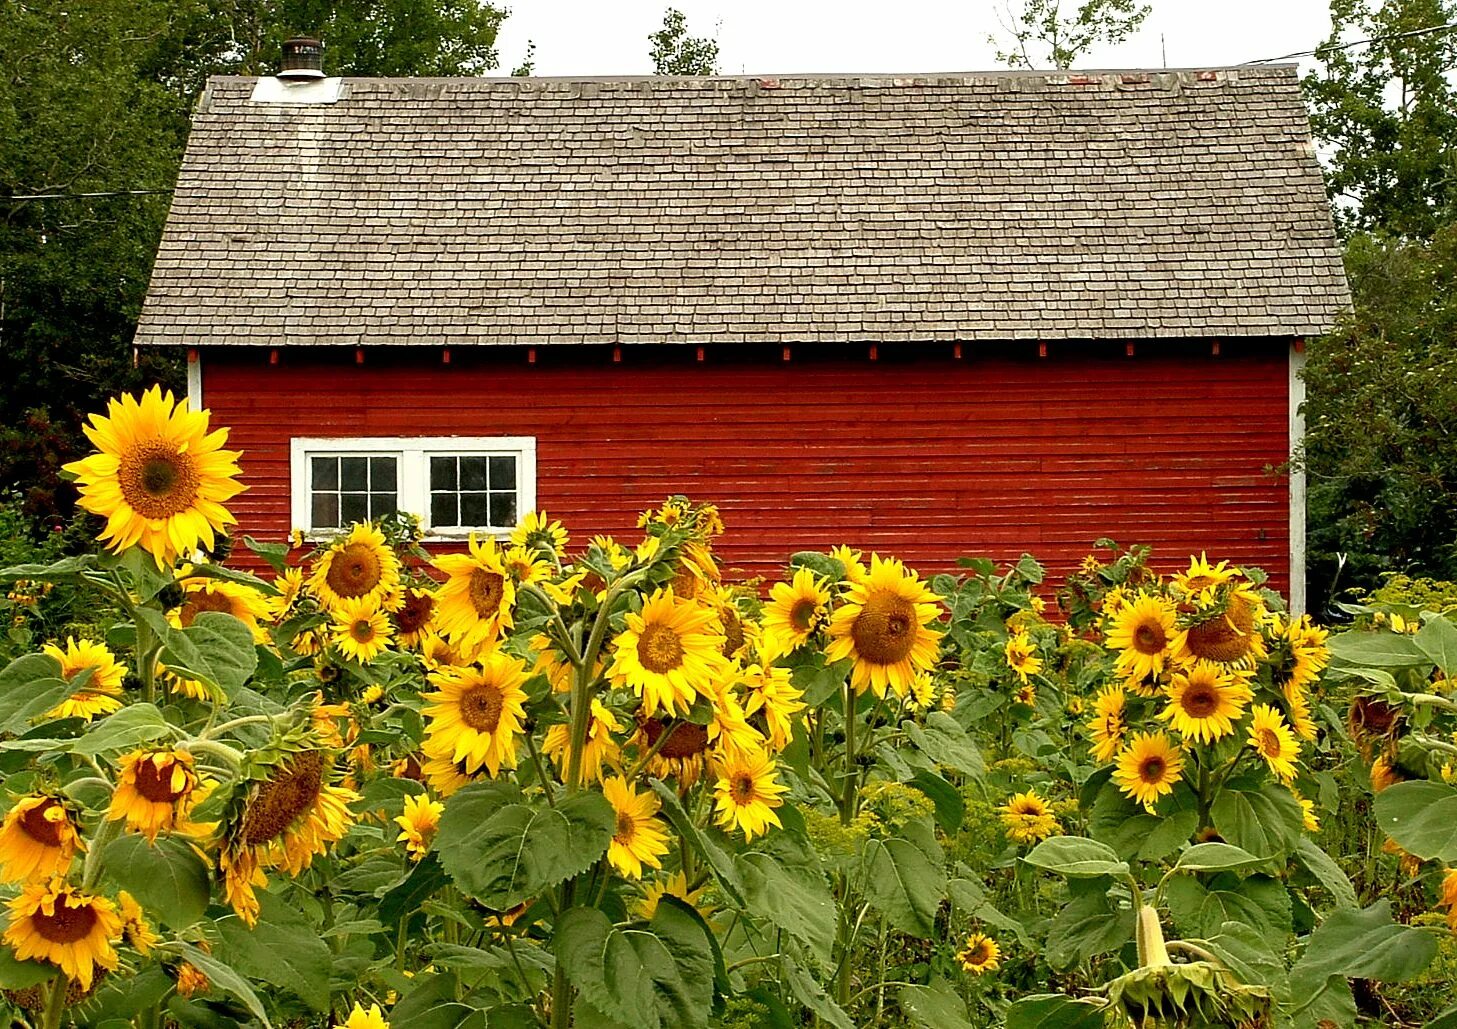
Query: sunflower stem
<point x="852" y="772"/>
<point x="146" y="659"/>
<point x="245" y="720"/>
<point x="232" y="758"/>
<point x="56" y="1003"/>
<point x="107" y="831"/>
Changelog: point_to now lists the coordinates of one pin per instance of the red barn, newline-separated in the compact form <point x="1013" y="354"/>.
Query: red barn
<point x="929" y="315"/>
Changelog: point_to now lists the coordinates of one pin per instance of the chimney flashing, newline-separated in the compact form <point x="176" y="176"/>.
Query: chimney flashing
<point x="272" y="90"/>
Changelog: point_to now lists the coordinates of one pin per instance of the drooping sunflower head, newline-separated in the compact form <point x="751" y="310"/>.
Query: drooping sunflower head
<point x="669" y="653"/>
<point x="884" y="624"/>
<point x="1143" y="632"/>
<point x="771" y="698"/>
<point x="155" y="792"/>
<point x="475" y="604"/>
<point x="135" y="929"/>
<point x="101" y="693"/>
<point x="53" y="921"/>
<point x="1205" y="701"/>
<point x="537" y="532"/>
<point x="747" y="792"/>
<point x="1272" y="739"/>
<point x="38" y="838"/>
<point x="600" y="749"/>
<point x="160" y="478"/>
<point x="1148" y="767"/>
<point x="415" y="617"/>
<point x="1226" y="630"/>
<point x="476" y="713"/>
<point x="981" y="954"/>
<point x="1028" y="818"/>
<point x="359" y="566"/>
<point x="639" y="838"/>
<point x="362" y="631"/>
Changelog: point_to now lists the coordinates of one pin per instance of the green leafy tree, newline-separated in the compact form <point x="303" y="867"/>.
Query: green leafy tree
<point x="1387" y="111"/>
<point x="1041" y="33"/>
<point x="677" y="53"/>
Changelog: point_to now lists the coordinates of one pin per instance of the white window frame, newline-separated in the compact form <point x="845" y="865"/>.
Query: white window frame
<point x="412" y="454"/>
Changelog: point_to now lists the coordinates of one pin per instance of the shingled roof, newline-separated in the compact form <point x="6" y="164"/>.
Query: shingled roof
<point x="997" y="206"/>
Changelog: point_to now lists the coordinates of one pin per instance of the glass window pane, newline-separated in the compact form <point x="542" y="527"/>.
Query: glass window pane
<point x="472" y="473"/>
<point x="442" y="473"/>
<point x="381" y="474"/>
<point x="473" y="509"/>
<point x="326" y="472"/>
<point x="443" y="511"/>
<point x="503" y="475"/>
<point x="381" y="504"/>
<point x="503" y="509"/>
<point x="325" y="511"/>
<point x="354" y="507"/>
<point x="353" y="473"/>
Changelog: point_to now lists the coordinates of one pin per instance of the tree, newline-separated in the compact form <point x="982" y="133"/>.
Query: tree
<point x="677" y="53"/>
<point x="1042" y="34"/>
<point x="1388" y="112"/>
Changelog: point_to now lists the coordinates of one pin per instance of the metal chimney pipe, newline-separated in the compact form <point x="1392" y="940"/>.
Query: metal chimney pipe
<point x="303" y="59"/>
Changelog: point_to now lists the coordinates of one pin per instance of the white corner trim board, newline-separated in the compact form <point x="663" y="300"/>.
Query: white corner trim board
<point x="1297" y="482"/>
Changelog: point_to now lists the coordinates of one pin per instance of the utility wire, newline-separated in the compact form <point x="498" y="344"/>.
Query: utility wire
<point x="86" y="196"/>
<point x="1429" y="30"/>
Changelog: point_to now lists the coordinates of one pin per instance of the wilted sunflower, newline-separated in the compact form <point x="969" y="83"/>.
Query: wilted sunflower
<point x="1273" y="741"/>
<point x="537" y="532"/>
<point x="1021" y="656"/>
<point x="37" y="839"/>
<point x="796" y="611"/>
<point x="599" y="749"/>
<point x="770" y="695"/>
<point x="1028" y="818"/>
<point x="418" y="824"/>
<point x="1108" y="724"/>
<point x="358" y="566"/>
<point x="52" y="921"/>
<point x="191" y="982"/>
<point x="135" y="929"/>
<point x="476" y="713"/>
<point x="884" y="625"/>
<point x="1205" y="701"/>
<point x="155" y="792"/>
<point x="160" y="479"/>
<point x="981" y="954"/>
<point x="474" y="606"/>
<point x="101" y="693"/>
<point x="747" y="793"/>
<point x="683" y="755"/>
<point x="669" y="653"/>
<point x="1143" y="632"/>
<point x="200" y="594"/>
<point x="639" y="838"/>
<point x="361" y="630"/>
<point x="1148" y="767"/>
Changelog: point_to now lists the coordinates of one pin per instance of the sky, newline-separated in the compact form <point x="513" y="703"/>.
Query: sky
<point x="609" y="37"/>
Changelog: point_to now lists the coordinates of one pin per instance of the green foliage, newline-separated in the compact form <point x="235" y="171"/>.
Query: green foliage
<point x="1043" y="35"/>
<point x="674" y="52"/>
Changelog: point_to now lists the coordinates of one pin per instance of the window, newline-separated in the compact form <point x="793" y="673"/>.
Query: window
<point x="457" y="484"/>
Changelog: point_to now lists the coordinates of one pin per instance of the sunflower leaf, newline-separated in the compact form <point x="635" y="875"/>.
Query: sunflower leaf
<point x="783" y="883"/>
<point x="904" y="884"/>
<point x="225" y="978"/>
<point x="30" y="686"/>
<point x="718" y="860"/>
<point x="168" y="879"/>
<point x="283" y="950"/>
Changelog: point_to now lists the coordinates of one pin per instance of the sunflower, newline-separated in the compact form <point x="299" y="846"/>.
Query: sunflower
<point x="1025" y="694"/>
<point x="358" y="566"/>
<point x="1021" y="656"/>
<point x="640" y="837"/>
<point x="415" y="617"/>
<point x="440" y="773"/>
<point x="475" y="604"/>
<point x="747" y="793"/>
<point x="1299" y="708"/>
<point x="418" y="824"/>
<point x="55" y="922"/>
<point x="884" y="625"/>
<point x="526" y="566"/>
<point x="282" y="820"/>
<point x="1308" y="818"/>
<point x="675" y="885"/>
<point x="683" y="755"/>
<point x="1028" y="818"/>
<point x="772" y="696"/>
<point x="200" y="594"/>
<point x="359" y="1018"/>
<point x="537" y="532"/>
<point x="1143" y="631"/>
<point x="1108" y="724"/>
<point x="1202" y="579"/>
<point x="1301" y="654"/>
<point x="155" y="791"/>
<point x="1384" y="775"/>
<point x="796" y="611"/>
<point x="551" y="663"/>
<point x="669" y="653"/>
<point x="476" y="713"/>
<point x="1229" y="633"/>
<point x="850" y="561"/>
<point x="160" y="479"/>
<point x="1148" y="767"/>
<point x="697" y="571"/>
<point x="135" y="929"/>
<point x="290" y="586"/>
<point x="1448" y="897"/>
<point x="1273" y="741"/>
<point x="729" y="731"/>
<point x="361" y="630"/>
<point x="600" y="748"/>
<point x="191" y="981"/>
<point x="1205" y="701"/>
<point x="981" y="954"/>
<point x="101" y="693"/>
<point x="37" y="839"/>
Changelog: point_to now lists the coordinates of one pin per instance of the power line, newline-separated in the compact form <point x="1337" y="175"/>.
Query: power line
<point x="87" y="196"/>
<point x="1429" y="30"/>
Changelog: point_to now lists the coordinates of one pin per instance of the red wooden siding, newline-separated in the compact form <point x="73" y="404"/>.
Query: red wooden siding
<point x="915" y="454"/>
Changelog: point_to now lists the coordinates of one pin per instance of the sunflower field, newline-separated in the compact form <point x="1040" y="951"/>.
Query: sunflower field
<point x="547" y="782"/>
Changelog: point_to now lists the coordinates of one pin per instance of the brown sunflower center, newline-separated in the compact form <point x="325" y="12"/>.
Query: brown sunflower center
<point x="354" y="570"/>
<point x="733" y="633"/>
<point x="802" y="614"/>
<point x="1149" y="638"/>
<point x="1269" y="743"/>
<point x="659" y="649"/>
<point x="198" y="601"/>
<point x="884" y="630"/>
<point x="40" y="828"/>
<point x="414" y="614"/>
<point x="686" y="740"/>
<point x="626" y="828"/>
<point x="487" y="589"/>
<point x="156" y="785"/>
<point x="1152" y="769"/>
<point x="1227" y="637"/>
<point x="282" y="799"/>
<point x="68" y="924"/>
<point x="1028" y="809"/>
<point x="1200" y="700"/>
<point x="978" y="953"/>
<point x="157" y="479"/>
<point x="741" y="788"/>
<point x="480" y="708"/>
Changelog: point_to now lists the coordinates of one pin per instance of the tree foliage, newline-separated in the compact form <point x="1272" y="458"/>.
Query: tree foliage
<point x="1042" y="34"/>
<point x="1388" y="112"/>
<point x="675" y="52"/>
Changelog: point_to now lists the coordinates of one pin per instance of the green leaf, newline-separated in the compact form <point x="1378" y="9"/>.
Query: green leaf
<point x="1029" y="569"/>
<point x="431" y="1004"/>
<point x="233" y="575"/>
<point x="17" y="975"/>
<point x="276" y="554"/>
<point x="423" y="881"/>
<point x="718" y="860"/>
<point x="822" y="565"/>
<point x="1076" y="857"/>
<point x="168" y="879"/>
<point x="945" y="742"/>
<point x="133" y="724"/>
<point x="812" y="995"/>
<point x="1054" y="1011"/>
<point x="1445" y="1020"/>
<point x="1248" y="952"/>
<point x="1438" y="640"/>
<point x="1267" y="821"/>
<point x="932" y="1008"/>
<point x="1210" y="857"/>
<point x="1089" y="924"/>
<point x="216" y="649"/>
<point x="1133" y="832"/>
<point x="1327" y="872"/>
<point x="904" y="884"/>
<point x="950" y="807"/>
<point x="224" y="978"/>
<point x="1381" y="649"/>
<point x="1422" y="817"/>
<point x="1363" y="945"/>
<point x="783" y="882"/>
<point x="283" y="950"/>
<point x="1200" y="909"/>
<point x="29" y="687"/>
<point x="503" y="850"/>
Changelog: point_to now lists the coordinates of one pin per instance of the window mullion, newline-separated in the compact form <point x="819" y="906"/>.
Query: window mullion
<point x="414" y="484"/>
